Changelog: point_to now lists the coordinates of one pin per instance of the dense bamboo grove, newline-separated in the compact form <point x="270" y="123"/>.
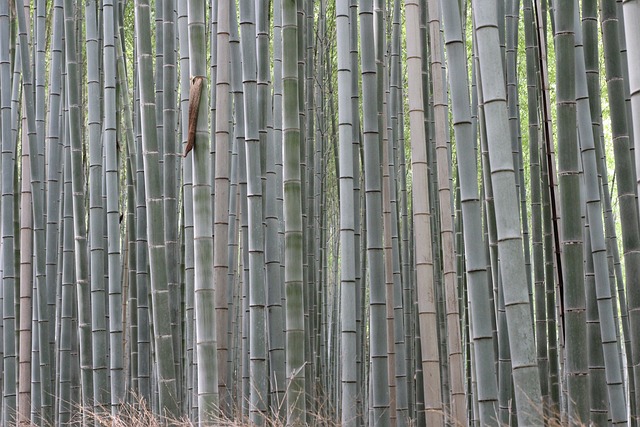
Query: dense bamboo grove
<point x="329" y="212"/>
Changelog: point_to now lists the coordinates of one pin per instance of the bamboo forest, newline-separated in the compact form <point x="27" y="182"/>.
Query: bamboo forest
<point x="319" y="213"/>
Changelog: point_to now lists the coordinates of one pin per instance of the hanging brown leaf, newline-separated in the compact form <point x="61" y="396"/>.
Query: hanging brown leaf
<point x="197" y="83"/>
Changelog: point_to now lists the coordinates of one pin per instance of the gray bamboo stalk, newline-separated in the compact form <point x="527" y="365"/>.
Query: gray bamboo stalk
<point x="10" y="361"/>
<point x="46" y="295"/>
<point x="26" y="276"/>
<point x="549" y="161"/>
<point x="132" y="384"/>
<point x="626" y="187"/>
<point x="631" y="9"/>
<point x="454" y="337"/>
<point x="308" y="74"/>
<point x="625" y="78"/>
<point x="190" y="401"/>
<point x="142" y="264"/>
<point x="421" y="218"/>
<point x="347" y="243"/>
<point x="378" y="357"/>
<point x="170" y="162"/>
<point x="79" y="221"/>
<point x="402" y="387"/>
<point x="100" y="345"/>
<point x="205" y="319"/>
<point x="46" y="327"/>
<point x="158" y="72"/>
<point x="213" y="53"/>
<point x="41" y="402"/>
<point x="525" y="370"/>
<point x="277" y="130"/>
<point x="598" y="251"/>
<point x="275" y="314"/>
<point x="244" y="283"/>
<point x="67" y="307"/>
<point x="295" y="332"/>
<point x="598" y="403"/>
<point x="536" y="207"/>
<point x="591" y="53"/>
<point x="258" y="397"/>
<point x="357" y="211"/>
<point x="163" y="344"/>
<point x="239" y="181"/>
<point x="512" y="13"/>
<point x="382" y="93"/>
<point x="407" y="277"/>
<point x="571" y="222"/>
<point x="54" y="177"/>
<point x="116" y="351"/>
<point x="551" y="308"/>
<point x="232" y="276"/>
<point x="383" y="120"/>
<point x="476" y="261"/>
<point x="221" y="197"/>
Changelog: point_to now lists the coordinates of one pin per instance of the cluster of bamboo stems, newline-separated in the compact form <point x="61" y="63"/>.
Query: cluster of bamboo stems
<point x="297" y="212"/>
